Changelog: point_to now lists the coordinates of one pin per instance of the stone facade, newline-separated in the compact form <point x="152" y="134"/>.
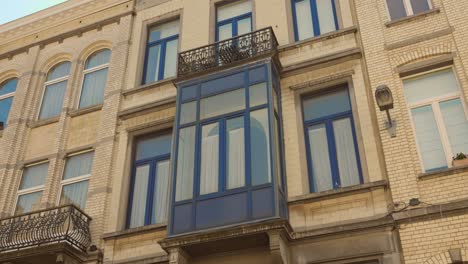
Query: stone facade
<point x="369" y="223"/>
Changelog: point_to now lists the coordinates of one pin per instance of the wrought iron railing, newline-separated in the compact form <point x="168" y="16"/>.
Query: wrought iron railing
<point x="228" y="51"/>
<point x="61" y="224"/>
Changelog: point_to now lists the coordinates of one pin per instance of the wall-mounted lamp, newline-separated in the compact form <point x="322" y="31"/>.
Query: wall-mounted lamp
<point x="384" y="98"/>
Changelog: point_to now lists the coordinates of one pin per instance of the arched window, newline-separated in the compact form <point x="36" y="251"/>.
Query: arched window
<point x="54" y="90"/>
<point x="94" y="78"/>
<point x="7" y="91"/>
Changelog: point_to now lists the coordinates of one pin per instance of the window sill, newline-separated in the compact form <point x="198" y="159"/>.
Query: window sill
<point x="330" y="35"/>
<point x="148" y="86"/>
<point x="443" y="172"/>
<point x="337" y="192"/>
<point x="412" y="17"/>
<point x="86" y="110"/>
<point x="39" y="123"/>
<point x="134" y="231"/>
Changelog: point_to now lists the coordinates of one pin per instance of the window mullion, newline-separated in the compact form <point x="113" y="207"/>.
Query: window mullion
<point x="150" y="193"/>
<point x="6" y="96"/>
<point x="222" y="156"/>
<point x="442" y="132"/>
<point x="332" y="154"/>
<point x="162" y="60"/>
<point x="409" y="8"/>
<point x="315" y="20"/>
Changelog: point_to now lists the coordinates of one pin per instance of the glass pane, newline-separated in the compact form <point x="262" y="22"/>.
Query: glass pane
<point x="258" y="94"/>
<point x="326" y="16"/>
<point x="189" y="92"/>
<point x="98" y="58"/>
<point x="170" y="61"/>
<point x="140" y="191"/>
<point x="235" y="153"/>
<point x="28" y="203"/>
<point x="420" y="6"/>
<point x="456" y="125"/>
<point x="275" y="100"/>
<point x="277" y="153"/>
<point x="233" y="10"/>
<point x="75" y="193"/>
<point x="164" y="31"/>
<point x="326" y="105"/>
<point x="305" y="28"/>
<point x="78" y="165"/>
<point x="185" y="163"/>
<point x="52" y="101"/>
<point x="260" y="147"/>
<point x="188" y="112"/>
<point x="209" y="172"/>
<point x="244" y="26"/>
<point x="225" y="32"/>
<point x="152" y="64"/>
<point x="320" y="156"/>
<point x="94" y="85"/>
<point x="5" y="106"/>
<point x="34" y="176"/>
<point x="58" y="71"/>
<point x="396" y="8"/>
<point x="161" y="197"/>
<point x="8" y="86"/>
<point x="150" y="147"/>
<point x="222" y="103"/>
<point x="428" y="137"/>
<point x="430" y="85"/>
<point x="346" y="152"/>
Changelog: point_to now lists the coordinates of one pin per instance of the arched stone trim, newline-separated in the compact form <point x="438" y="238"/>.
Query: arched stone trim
<point x="7" y="75"/>
<point x="91" y="49"/>
<point x="445" y="258"/>
<point x="54" y="60"/>
<point x="421" y="53"/>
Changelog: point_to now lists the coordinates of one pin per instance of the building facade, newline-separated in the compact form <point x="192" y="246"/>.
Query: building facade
<point x="247" y="131"/>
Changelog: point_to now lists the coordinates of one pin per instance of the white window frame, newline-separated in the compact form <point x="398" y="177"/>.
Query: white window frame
<point x="434" y="103"/>
<point x="91" y="70"/>
<point x="408" y="8"/>
<point x="29" y="190"/>
<point x="6" y="96"/>
<point x="66" y="182"/>
<point x="47" y="83"/>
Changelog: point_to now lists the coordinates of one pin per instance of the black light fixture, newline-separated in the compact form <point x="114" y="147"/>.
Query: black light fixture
<point x="384" y="99"/>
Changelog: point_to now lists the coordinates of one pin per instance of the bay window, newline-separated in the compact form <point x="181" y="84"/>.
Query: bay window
<point x="439" y="117"/>
<point x="31" y="188"/>
<point x="402" y="8"/>
<point x="332" y="153"/>
<point x="313" y="18"/>
<point x="7" y="91"/>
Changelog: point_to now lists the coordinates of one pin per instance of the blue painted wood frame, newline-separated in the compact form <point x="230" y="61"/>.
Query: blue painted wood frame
<point x="234" y="22"/>
<point x="328" y="122"/>
<point x="152" y="162"/>
<point x="162" y="57"/>
<point x="314" y="15"/>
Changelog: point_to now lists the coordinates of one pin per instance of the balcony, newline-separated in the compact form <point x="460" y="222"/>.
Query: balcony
<point x="32" y="237"/>
<point x="228" y="52"/>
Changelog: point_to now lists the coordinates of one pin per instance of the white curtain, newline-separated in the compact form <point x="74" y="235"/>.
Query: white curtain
<point x="34" y="176"/>
<point x="94" y="84"/>
<point x="326" y="16"/>
<point x="346" y="152"/>
<point x="75" y="193"/>
<point x="260" y="147"/>
<point x="98" y="58"/>
<point x="305" y="27"/>
<point x="140" y="191"/>
<point x="236" y="161"/>
<point x="52" y="101"/>
<point x="170" y="61"/>
<point x="321" y="170"/>
<point x="234" y="9"/>
<point x="430" y="85"/>
<point x="160" y="200"/>
<point x="152" y="64"/>
<point x="28" y="202"/>
<point x="209" y="162"/>
<point x="427" y="134"/>
<point x="456" y="124"/>
<point x="60" y="70"/>
<point x="185" y="163"/>
<point x="244" y="26"/>
<point x="78" y="165"/>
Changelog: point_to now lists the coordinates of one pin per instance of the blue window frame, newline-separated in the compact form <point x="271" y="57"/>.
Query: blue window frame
<point x="332" y="152"/>
<point x="161" y="52"/>
<point x="149" y="186"/>
<point x="313" y="18"/>
<point x="226" y="153"/>
<point x="233" y="19"/>
<point x="7" y="92"/>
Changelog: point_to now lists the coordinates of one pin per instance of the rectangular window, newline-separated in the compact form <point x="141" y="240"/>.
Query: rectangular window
<point x="149" y="195"/>
<point x="314" y="17"/>
<point x="402" y="8"/>
<point x="233" y="19"/>
<point x="31" y="188"/>
<point x="161" y="52"/>
<point x="331" y="142"/>
<point x="76" y="179"/>
<point x="439" y="117"/>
